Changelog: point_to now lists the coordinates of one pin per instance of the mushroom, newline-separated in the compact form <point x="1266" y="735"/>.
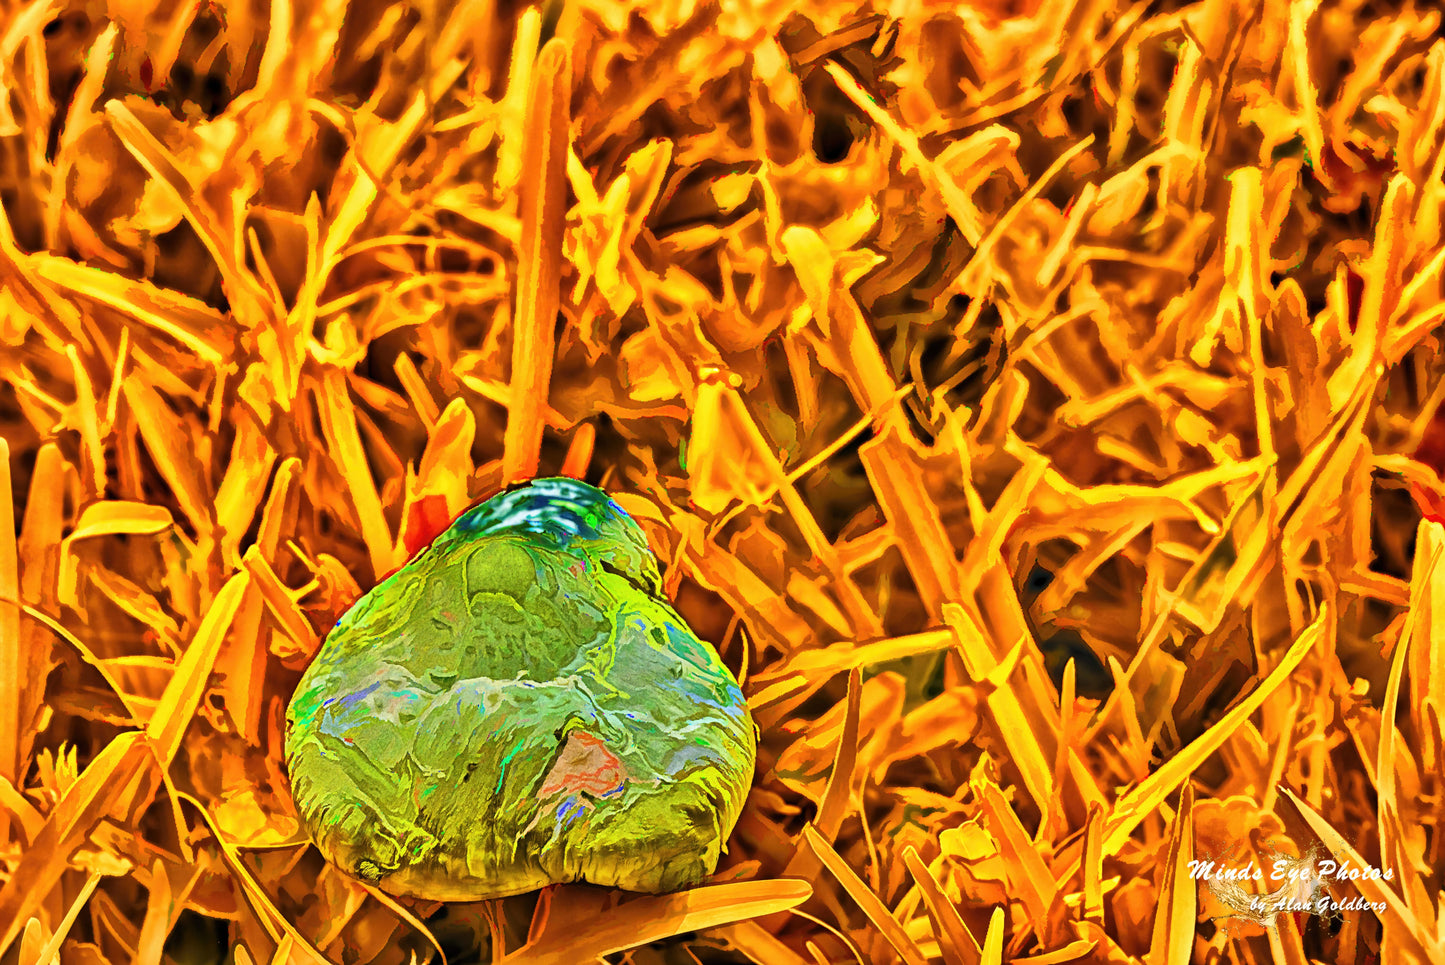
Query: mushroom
<point x="519" y="705"/>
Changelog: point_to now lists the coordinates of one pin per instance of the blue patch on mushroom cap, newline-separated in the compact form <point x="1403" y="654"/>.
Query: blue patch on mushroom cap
<point x="568" y="515"/>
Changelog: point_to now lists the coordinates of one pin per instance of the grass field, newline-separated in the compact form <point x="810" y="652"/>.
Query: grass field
<point x="1032" y="400"/>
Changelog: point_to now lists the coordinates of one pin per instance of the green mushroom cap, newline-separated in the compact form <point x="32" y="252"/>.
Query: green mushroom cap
<point x="520" y="705"/>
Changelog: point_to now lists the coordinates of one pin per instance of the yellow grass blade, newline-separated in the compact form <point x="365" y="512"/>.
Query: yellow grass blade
<point x="1173" y="939"/>
<point x="338" y="420"/>
<point x="12" y="664"/>
<point x="279" y="602"/>
<point x="758" y="944"/>
<point x="955" y="941"/>
<point x="100" y="788"/>
<point x="993" y="941"/>
<point x="652" y="918"/>
<point x="84" y="652"/>
<point x="836" y="796"/>
<point x="1394" y="915"/>
<point x="876" y="911"/>
<point x="247" y="298"/>
<point x="177" y="463"/>
<point x="542" y="209"/>
<point x="276" y="924"/>
<point x="1003" y="703"/>
<point x="1144" y="797"/>
<point x="190" y="322"/>
<point x="62" y="930"/>
<point x="177" y="705"/>
<point x="1029" y="878"/>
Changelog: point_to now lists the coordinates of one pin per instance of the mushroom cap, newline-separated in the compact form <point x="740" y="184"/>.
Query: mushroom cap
<point x="520" y="705"/>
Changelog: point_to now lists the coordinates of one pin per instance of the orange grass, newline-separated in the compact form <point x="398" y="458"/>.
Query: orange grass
<point x="869" y="314"/>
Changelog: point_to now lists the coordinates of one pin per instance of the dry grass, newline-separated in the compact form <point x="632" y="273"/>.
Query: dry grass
<point x="868" y="312"/>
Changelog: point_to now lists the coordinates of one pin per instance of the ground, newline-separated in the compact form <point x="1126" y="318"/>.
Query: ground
<point x="1034" y="401"/>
